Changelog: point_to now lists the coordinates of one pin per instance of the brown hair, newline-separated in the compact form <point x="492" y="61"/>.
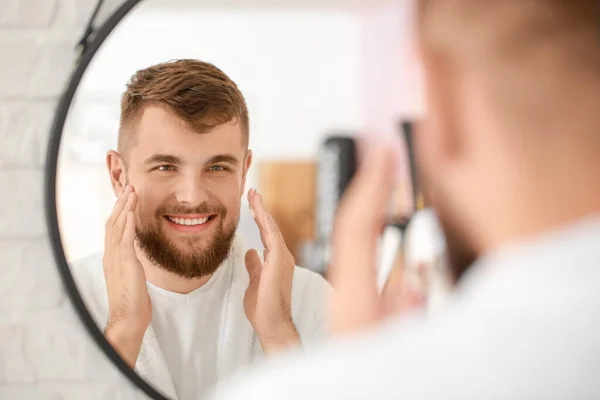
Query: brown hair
<point x="197" y="92"/>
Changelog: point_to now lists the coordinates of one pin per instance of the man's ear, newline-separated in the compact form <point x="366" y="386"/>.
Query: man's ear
<point x="116" y="171"/>
<point x="439" y="136"/>
<point x="245" y="168"/>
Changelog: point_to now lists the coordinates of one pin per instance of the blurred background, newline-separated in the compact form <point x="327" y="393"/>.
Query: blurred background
<point x="314" y="74"/>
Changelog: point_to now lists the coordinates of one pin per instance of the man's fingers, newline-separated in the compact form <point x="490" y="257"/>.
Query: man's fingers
<point x="405" y="300"/>
<point x="119" y="226"/>
<point x="356" y="231"/>
<point x="113" y="220"/>
<point x="400" y="293"/>
<point x="118" y="208"/>
<point x="128" y="239"/>
<point x="256" y="214"/>
<point x="278" y="261"/>
<point x="371" y="189"/>
<point x="253" y="265"/>
<point x="361" y="214"/>
<point x="269" y="231"/>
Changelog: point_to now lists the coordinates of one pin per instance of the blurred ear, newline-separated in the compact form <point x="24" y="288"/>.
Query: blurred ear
<point x="438" y="140"/>
<point x="246" y="167"/>
<point x="116" y="171"/>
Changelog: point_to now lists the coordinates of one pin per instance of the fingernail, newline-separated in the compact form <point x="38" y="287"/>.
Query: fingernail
<point x="252" y="212"/>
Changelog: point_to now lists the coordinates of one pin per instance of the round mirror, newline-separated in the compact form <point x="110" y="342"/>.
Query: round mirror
<point x="196" y="160"/>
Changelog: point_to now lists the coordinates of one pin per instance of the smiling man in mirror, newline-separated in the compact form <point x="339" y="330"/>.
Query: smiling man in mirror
<point x="176" y="292"/>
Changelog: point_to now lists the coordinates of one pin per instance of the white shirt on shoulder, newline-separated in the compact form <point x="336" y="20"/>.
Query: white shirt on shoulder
<point x="523" y="324"/>
<point x="199" y="340"/>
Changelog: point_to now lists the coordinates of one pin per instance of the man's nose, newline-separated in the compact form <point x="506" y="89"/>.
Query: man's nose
<point x="191" y="191"/>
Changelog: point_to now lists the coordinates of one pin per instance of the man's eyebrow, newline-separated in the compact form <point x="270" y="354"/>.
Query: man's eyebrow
<point x="224" y="158"/>
<point x="163" y="158"/>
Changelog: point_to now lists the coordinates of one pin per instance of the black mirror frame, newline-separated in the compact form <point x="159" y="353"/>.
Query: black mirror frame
<point x="58" y="123"/>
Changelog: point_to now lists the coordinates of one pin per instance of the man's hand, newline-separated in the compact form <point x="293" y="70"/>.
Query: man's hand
<point x="130" y="309"/>
<point x="267" y="302"/>
<point x="399" y="294"/>
<point x="359" y="222"/>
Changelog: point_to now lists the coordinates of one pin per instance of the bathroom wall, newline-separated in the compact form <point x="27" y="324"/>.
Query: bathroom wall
<point x="45" y="353"/>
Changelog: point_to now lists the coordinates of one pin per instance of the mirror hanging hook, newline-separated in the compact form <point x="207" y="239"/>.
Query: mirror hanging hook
<point x="88" y="33"/>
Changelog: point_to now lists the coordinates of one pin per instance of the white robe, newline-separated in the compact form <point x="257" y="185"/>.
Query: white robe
<point x="239" y="346"/>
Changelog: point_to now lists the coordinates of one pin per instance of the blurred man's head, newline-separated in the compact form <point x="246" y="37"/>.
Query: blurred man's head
<point x="510" y="145"/>
<point x="183" y="146"/>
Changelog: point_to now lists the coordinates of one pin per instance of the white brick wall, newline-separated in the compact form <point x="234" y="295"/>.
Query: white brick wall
<point x="45" y="353"/>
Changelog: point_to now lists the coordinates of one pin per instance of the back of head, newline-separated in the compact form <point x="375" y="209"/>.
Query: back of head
<point x="523" y="50"/>
<point x="511" y="140"/>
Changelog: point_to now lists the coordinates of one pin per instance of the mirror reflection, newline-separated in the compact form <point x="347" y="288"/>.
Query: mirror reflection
<point x="197" y="179"/>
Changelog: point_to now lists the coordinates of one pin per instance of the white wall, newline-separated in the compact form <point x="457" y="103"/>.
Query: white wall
<point x="389" y="66"/>
<point x="44" y="352"/>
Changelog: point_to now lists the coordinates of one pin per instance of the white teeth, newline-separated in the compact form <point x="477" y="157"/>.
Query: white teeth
<point x="188" y="221"/>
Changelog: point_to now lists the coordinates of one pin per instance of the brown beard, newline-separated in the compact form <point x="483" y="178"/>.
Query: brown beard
<point x="193" y="263"/>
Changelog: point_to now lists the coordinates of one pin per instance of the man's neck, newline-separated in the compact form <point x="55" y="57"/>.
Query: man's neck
<point x="167" y="280"/>
<point x="560" y="205"/>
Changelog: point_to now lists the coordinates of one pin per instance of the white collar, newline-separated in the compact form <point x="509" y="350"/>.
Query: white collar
<point x="572" y="252"/>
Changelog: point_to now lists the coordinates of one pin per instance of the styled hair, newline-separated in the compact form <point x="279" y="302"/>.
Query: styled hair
<point x="197" y="92"/>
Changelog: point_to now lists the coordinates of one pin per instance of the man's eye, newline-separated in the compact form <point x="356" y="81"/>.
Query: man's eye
<point x="217" y="168"/>
<point x="166" y="168"/>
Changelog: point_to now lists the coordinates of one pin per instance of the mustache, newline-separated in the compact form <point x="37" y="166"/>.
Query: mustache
<point x="203" y="208"/>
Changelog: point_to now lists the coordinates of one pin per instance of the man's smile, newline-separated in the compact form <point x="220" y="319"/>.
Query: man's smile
<point x="190" y="223"/>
